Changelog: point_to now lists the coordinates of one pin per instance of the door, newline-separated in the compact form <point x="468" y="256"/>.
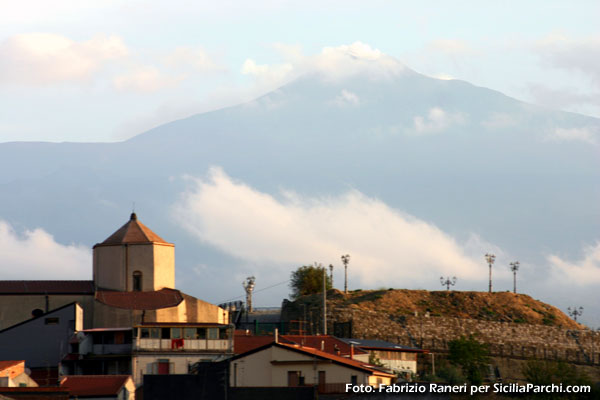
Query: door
<point x="322" y="381"/>
<point x="293" y="378"/>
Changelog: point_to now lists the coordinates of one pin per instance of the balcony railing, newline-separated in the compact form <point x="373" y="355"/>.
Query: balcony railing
<point x="219" y="345"/>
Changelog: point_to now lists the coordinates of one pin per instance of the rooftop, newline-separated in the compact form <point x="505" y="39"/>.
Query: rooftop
<point x="133" y="232"/>
<point x="152" y="300"/>
<point x="46" y="287"/>
<point x="94" y="385"/>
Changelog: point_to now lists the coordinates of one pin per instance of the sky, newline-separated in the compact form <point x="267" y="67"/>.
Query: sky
<point x="104" y="71"/>
<point x="108" y="70"/>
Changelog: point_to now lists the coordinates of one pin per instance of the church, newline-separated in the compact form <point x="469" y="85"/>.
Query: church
<point x="133" y="283"/>
<point x="128" y="320"/>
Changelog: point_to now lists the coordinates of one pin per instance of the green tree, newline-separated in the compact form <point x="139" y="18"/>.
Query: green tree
<point x="471" y="356"/>
<point x="308" y="279"/>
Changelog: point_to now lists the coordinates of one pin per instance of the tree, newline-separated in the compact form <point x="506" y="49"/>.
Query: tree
<point x="308" y="279"/>
<point x="471" y="356"/>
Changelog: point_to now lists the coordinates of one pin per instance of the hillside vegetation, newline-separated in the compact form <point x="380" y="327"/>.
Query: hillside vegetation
<point x="497" y="306"/>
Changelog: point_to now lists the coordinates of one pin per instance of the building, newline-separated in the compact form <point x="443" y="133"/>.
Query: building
<point x="151" y="348"/>
<point x="134" y="282"/>
<point x="400" y="359"/>
<point x="129" y="320"/>
<point x="13" y="374"/>
<point x="99" y="387"/>
<point x="281" y="364"/>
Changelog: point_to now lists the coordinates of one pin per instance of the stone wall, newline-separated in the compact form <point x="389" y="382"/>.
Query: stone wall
<point x="505" y="339"/>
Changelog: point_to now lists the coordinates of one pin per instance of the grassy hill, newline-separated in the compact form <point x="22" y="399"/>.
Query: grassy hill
<point x="497" y="306"/>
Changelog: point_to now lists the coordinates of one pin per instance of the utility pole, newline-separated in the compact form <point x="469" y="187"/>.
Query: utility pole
<point x="448" y="282"/>
<point x="490" y="258"/>
<point x="514" y="267"/>
<point x="324" y="302"/>
<point x="346" y="260"/>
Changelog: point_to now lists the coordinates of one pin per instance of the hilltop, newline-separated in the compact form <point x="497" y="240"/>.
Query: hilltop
<point x="496" y="306"/>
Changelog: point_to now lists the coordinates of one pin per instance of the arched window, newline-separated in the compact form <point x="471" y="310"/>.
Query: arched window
<point x="137" y="281"/>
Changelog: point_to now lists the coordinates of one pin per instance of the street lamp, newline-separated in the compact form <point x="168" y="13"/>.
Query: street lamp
<point x="346" y="260"/>
<point x="448" y="282"/>
<point x="490" y="258"/>
<point x="514" y="267"/>
<point x="575" y="312"/>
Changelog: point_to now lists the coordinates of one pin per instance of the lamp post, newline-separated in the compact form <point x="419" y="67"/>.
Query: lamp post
<point x="331" y="274"/>
<point x="448" y="282"/>
<point x="346" y="260"/>
<point x="514" y="267"/>
<point x="575" y="312"/>
<point x="490" y="258"/>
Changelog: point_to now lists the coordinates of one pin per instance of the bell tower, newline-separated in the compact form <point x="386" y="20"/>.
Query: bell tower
<point x="134" y="259"/>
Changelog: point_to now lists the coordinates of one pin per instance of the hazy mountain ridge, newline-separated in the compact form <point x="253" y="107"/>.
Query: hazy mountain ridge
<point x="468" y="159"/>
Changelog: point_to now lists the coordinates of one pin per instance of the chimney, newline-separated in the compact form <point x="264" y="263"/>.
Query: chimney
<point x="322" y="345"/>
<point x="351" y="351"/>
<point x="276" y="335"/>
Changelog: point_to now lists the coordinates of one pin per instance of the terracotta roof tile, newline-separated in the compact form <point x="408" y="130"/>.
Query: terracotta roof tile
<point x="133" y="232"/>
<point x="340" y="360"/>
<point x="46" y="287"/>
<point x="94" y="385"/>
<point x="154" y="300"/>
<point x="8" y="364"/>
<point x="331" y="342"/>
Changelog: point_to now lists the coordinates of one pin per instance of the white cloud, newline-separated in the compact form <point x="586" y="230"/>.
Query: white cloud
<point x="388" y="247"/>
<point x="582" y="134"/>
<point x="47" y="58"/>
<point x="145" y="79"/>
<point x="36" y="255"/>
<point x="346" y="99"/>
<point x="270" y="74"/>
<point x="437" y="120"/>
<point x="583" y="272"/>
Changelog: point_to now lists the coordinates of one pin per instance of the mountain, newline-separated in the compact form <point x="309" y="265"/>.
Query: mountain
<point x="465" y="158"/>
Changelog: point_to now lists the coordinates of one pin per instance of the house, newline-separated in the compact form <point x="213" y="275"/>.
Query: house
<point x="99" y="387"/>
<point x="13" y="374"/>
<point x="400" y="359"/>
<point x="42" y="341"/>
<point x="281" y="364"/>
<point x="150" y="348"/>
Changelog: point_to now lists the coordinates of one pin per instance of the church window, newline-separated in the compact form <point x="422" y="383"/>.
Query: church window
<point x="137" y="281"/>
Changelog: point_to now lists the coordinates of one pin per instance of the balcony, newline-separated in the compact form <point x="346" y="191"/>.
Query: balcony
<point x="193" y="345"/>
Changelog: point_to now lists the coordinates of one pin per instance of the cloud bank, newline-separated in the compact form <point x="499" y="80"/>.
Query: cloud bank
<point x="388" y="247"/>
<point x="36" y="255"/>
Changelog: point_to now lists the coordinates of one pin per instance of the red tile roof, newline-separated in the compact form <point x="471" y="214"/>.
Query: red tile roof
<point x="331" y="342"/>
<point x="153" y="300"/>
<point x="133" y="232"/>
<point x="46" y="287"/>
<point x="8" y="364"/>
<point x="94" y="385"/>
<point x="337" y="359"/>
<point x="243" y="343"/>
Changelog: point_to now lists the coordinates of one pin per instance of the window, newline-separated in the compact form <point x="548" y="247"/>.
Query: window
<point x="155" y="333"/>
<point x="175" y="333"/>
<point x="213" y="333"/>
<point x="223" y="333"/>
<point x="137" y="281"/>
<point x="144" y="333"/>
<point x="354" y="379"/>
<point x="201" y="332"/>
<point x="189" y="333"/>
<point x="166" y="333"/>
<point x="293" y="378"/>
<point x="51" y="321"/>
